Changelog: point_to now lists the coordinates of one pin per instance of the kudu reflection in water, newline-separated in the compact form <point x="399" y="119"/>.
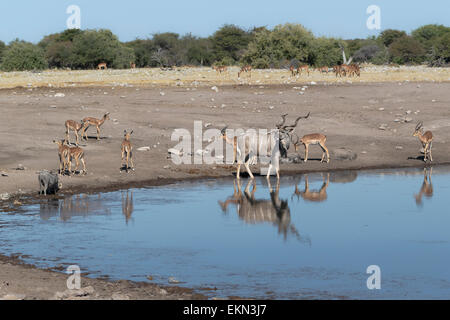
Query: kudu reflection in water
<point x="313" y="195"/>
<point x="254" y="211"/>
<point x="427" y="186"/>
<point x="127" y="205"/>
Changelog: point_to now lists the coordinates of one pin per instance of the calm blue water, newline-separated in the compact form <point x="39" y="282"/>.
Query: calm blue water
<point x="282" y="246"/>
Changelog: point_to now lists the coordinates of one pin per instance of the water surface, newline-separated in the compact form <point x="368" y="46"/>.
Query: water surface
<point x="313" y="237"/>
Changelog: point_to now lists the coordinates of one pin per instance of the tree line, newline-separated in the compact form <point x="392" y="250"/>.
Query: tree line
<point x="260" y="47"/>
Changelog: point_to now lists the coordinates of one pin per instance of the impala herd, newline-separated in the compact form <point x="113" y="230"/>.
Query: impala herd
<point x="69" y="152"/>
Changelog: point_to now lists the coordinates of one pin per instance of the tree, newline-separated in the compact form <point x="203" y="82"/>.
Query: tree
<point x="92" y="47"/>
<point x="325" y="52"/>
<point x="407" y="50"/>
<point x="366" y="53"/>
<point x="387" y="37"/>
<point x="143" y="51"/>
<point x="2" y="49"/>
<point x="440" y="53"/>
<point x="429" y="33"/>
<point x="284" y="43"/>
<point x="22" y="56"/>
<point x="229" y="41"/>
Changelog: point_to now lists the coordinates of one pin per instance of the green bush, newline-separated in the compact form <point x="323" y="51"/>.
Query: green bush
<point x="229" y="42"/>
<point x="92" y="47"/>
<point x="407" y="50"/>
<point x="2" y="50"/>
<point x="387" y="37"/>
<point x="22" y="56"/>
<point x="284" y="42"/>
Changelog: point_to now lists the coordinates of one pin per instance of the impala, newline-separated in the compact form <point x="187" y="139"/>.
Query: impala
<point x="132" y="65"/>
<point x="63" y="153"/>
<point x="293" y="70"/>
<point x="102" y="66"/>
<point x="305" y="68"/>
<point x="75" y="127"/>
<point x="323" y="69"/>
<point x="245" y="69"/>
<point x="87" y="122"/>
<point x="313" y="139"/>
<point x="127" y="150"/>
<point x="220" y="69"/>
<point x="426" y="139"/>
<point x="77" y="154"/>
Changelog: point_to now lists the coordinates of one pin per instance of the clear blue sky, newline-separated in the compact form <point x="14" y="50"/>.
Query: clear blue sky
<point x="31" y="20"/>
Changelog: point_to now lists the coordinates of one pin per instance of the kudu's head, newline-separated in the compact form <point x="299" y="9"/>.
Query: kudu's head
<point x="285" y="133"/>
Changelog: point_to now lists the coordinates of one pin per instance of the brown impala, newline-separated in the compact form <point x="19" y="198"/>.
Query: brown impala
<point x="245" y="69"/>
<point x="127" y="150"/>
<point x="75" y="127"/>
<point x="87" y="122"/>
<point x="426" y="139"/>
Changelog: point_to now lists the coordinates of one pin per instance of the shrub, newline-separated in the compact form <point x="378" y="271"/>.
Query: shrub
<point x="21" y="56"/>
<point x="407" y="50"/>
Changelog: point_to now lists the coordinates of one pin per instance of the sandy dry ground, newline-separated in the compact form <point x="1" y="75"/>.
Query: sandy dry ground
<point x="183" y="76"/>
<point x="350" y="114"/>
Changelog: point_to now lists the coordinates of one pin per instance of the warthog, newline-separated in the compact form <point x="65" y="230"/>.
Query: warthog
<point x="48" y="182"/>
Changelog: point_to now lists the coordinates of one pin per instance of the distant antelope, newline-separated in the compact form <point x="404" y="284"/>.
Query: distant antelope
<point x="75" y="127"/>
<point x="63" y="153"/>
<point x="305" y="68"/>
<point x="322" y="69"/>
<point x="426" y="139"/>
<point x="127" y="149"/>
<point x="293" y="70"/>
<point x="220" y="69"/>
<point x="102" y="66"/>
<point x="313" y="196"/>
<point x="245" y="69"/>
<point x="87" y="122"/>
<point x="132" y="65"/>
<point x="77" y="154"/>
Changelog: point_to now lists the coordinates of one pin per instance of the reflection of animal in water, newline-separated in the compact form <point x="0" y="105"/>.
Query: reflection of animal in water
<point x="127" y="205"/>
<point x="254" y="211"/>
<point x="313" y="196"/>
<point x="427" y="186"/>
<point x="49" y="209"/>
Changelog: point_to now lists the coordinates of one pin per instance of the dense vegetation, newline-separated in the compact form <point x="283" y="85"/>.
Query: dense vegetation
<point x="230" y="45"/>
